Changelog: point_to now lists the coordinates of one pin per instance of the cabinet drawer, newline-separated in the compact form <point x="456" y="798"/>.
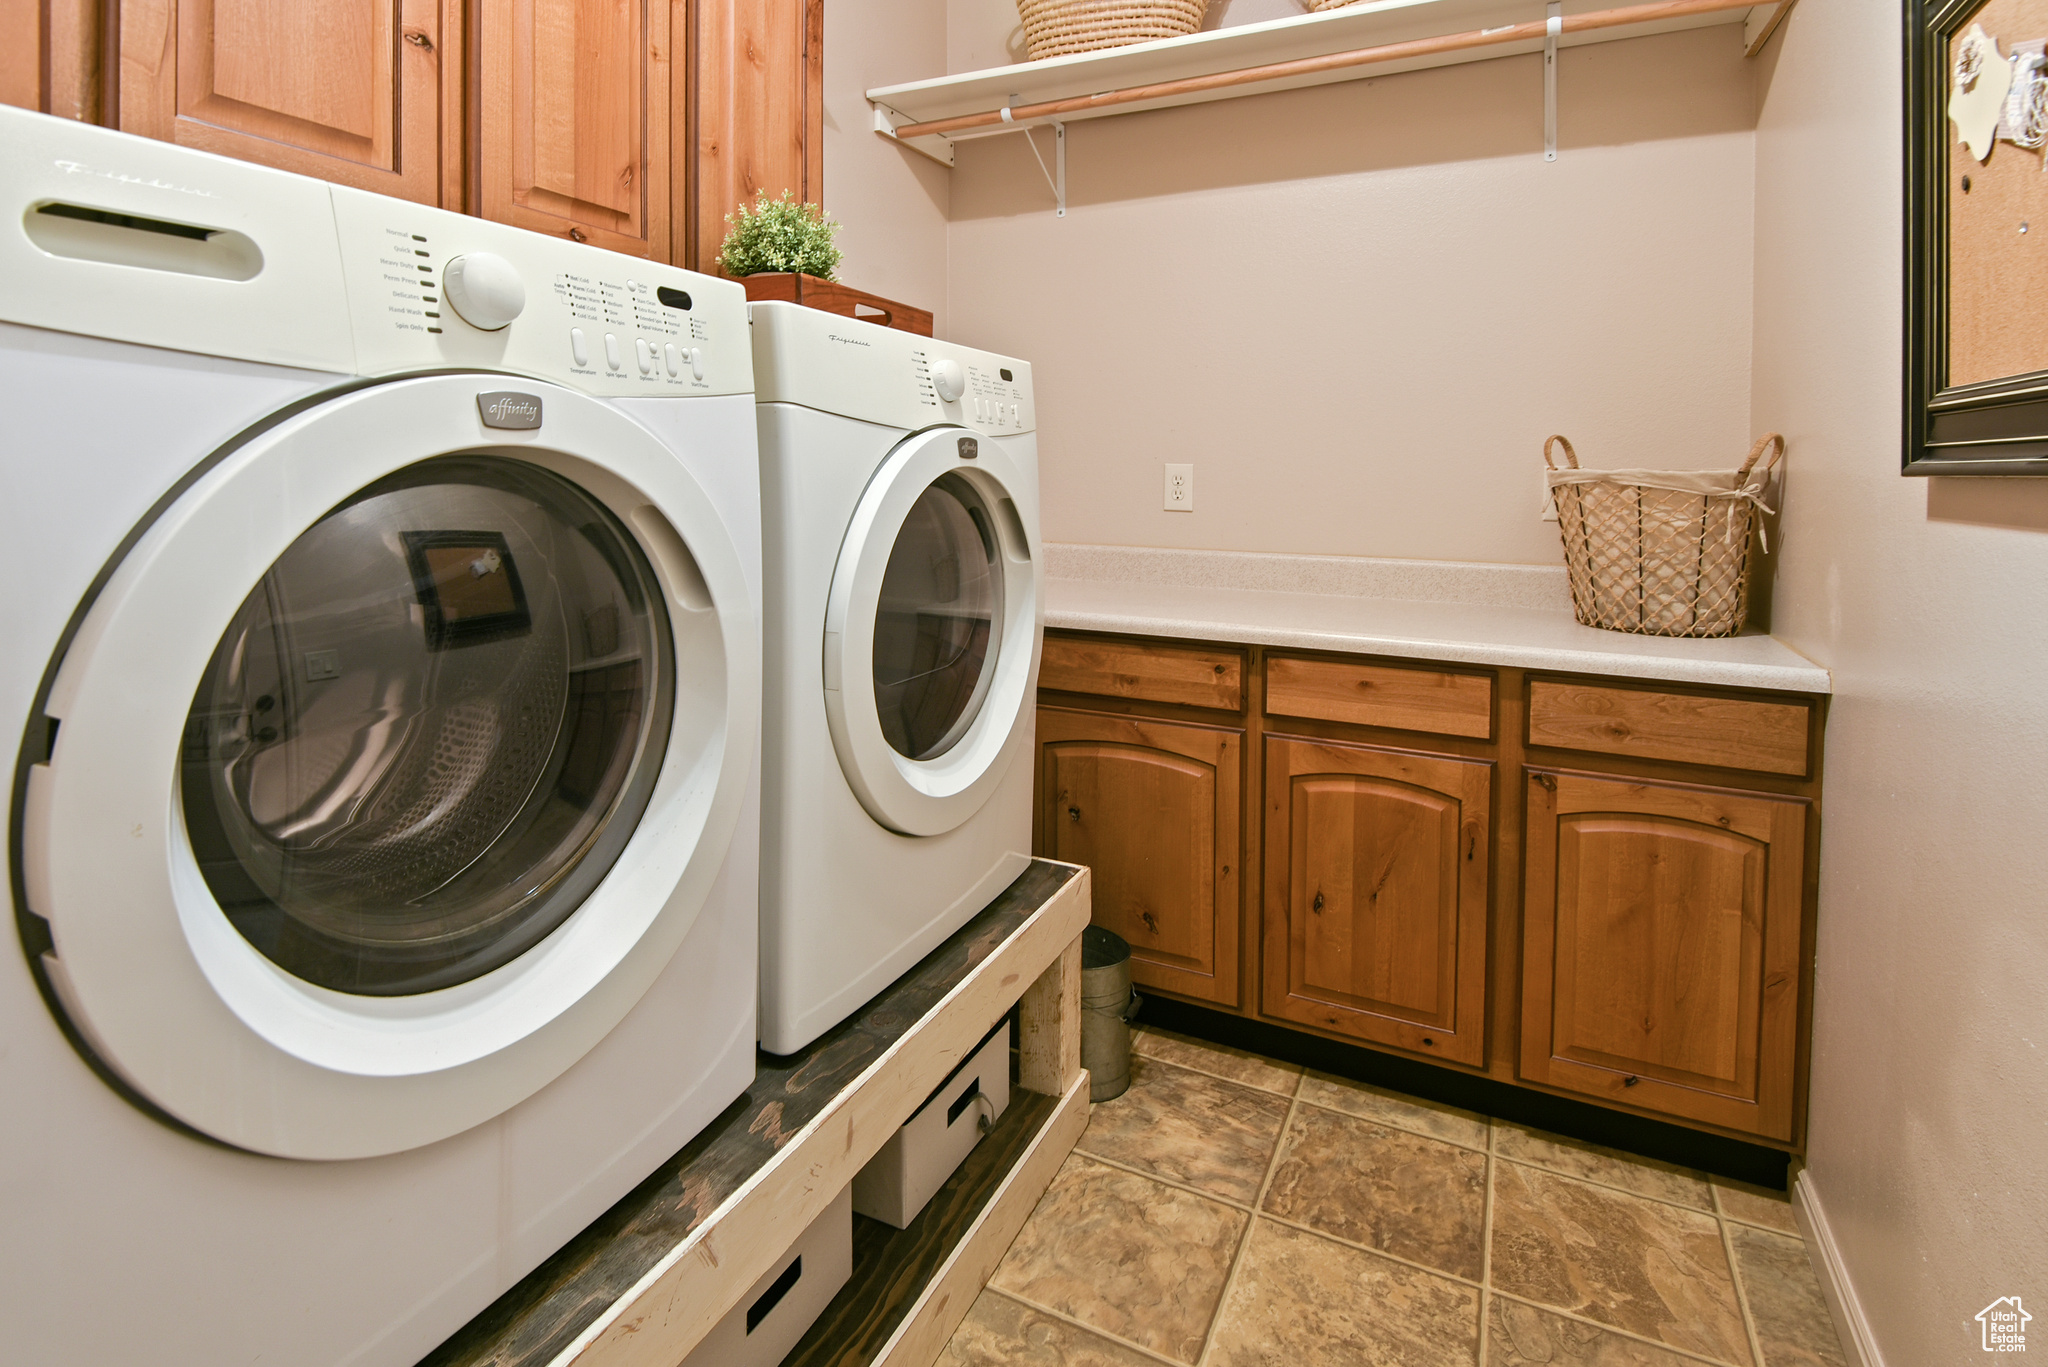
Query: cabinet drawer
<point x="1432" y="700"/>
<point x="1731" y="733"/>
<point x="1125" y="669"/>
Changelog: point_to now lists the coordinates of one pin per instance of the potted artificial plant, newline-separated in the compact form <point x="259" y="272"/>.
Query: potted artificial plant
<point x="783" y="250"/>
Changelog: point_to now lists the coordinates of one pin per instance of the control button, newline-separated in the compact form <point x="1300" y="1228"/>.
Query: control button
<point x="579" y="347"/>
<point x="673" y="358"/>
<point x="697" y="362"/>
<point x="949" y="380"/>
<point x="485" y="289"/>
<point x="632" y="287"/>
<point x="611" y="352"/>
<point x="644" y="354"/>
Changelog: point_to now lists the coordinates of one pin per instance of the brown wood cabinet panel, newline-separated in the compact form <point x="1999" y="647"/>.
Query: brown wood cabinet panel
<point x="574" y="130"/>
<point x="1731" y="733"/>
<point x="347" y="90"/>
<point x="21" y="56"/>
<point x="759" y="110"/>
<point x="1374" y="917"/>
<point x="1153" y="808"/>
<point x="1661" y="947"/>
<point x="1154" y="673"/>
<point x="1437" y="701"/>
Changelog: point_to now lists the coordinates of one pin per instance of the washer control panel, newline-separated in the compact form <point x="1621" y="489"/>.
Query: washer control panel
<point x="430" y="288"/>
<point x="884" y="375"/>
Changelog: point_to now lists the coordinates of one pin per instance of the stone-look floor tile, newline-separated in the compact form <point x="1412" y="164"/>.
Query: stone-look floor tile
<point x="1650" y="1268"/>
<point x="1417" y="1198"/>
<point x="1304" y="1301"/>
<point x="1611" y="1167"/>
<point x="1793" y="1326"/>
<point x="1391" y="1108"/>
<point x="1189" y="1127"/>
<point x="1000" y="1332"/>
<point x="1523" y="1336"/>
<point x="1127" y="1255"/>
<point x="1220" y="1060"/>
<point x="1756" y="1205"/>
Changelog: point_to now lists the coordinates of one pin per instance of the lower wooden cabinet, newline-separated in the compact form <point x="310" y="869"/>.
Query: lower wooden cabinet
<point x="1374" y="915"/>
<point x="1661" y="930"/>
<point x="1601" y="888"/>
<point x="1153" y="807"/>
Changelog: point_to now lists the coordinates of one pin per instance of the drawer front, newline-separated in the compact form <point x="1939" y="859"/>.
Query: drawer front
<point x="1729" y="733"/>
<point x="1151" y="673"/>
<point x="1431" y="700"/>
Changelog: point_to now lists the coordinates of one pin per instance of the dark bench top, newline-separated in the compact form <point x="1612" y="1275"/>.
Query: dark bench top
<point x="541" y="1315"/>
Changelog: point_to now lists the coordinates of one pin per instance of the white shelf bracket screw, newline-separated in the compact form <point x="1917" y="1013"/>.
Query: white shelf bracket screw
<point x="1551" y="30"/>
<point x="1056" y="175"/>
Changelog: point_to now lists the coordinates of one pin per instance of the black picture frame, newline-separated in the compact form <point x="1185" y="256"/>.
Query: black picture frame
<point x="449" y="631"/>
<point x="1993" y="427"/>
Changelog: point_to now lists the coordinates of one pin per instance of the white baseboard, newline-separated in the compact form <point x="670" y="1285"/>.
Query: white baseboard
<point x="1858" y="1343"/>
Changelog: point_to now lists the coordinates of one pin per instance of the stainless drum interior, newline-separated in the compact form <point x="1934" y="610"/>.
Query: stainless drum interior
<point x="431" y="728"/>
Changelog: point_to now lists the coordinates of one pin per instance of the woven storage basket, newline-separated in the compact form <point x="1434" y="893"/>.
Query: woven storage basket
<point x="1318" y="6"/>
<point x="1054" y="28"/>
<point x="1660" y="552"/>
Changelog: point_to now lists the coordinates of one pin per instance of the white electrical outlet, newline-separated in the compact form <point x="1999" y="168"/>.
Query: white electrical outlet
<point x="1180" y="488"/>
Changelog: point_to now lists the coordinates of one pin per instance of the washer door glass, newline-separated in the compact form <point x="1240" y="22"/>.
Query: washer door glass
<point x="938" y="620"/>
<point x="431" y="729"/>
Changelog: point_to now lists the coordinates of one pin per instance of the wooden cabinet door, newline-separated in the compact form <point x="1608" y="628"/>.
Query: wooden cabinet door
<point x="1152" y="808"/>
<point x="1374" y="917"/>
<point x="575" y="120"/>
<point x="1661" y="933"/>
<point x="363" y="92"/>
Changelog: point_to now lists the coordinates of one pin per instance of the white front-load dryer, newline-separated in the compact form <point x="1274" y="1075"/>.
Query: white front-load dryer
<point x="899" y="480"/>
<point x="382" y="636"/>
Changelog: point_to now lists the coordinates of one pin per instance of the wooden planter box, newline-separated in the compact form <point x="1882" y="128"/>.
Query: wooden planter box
<point x="832" y="297"/>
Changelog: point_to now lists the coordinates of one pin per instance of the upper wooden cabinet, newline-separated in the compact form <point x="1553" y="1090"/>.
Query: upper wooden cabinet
<point x="1153" y="808"/>
<point x="1661" y="947"/>
<point x="1375" y="898"/>
<point x="363" y="92"/>
<point x="575" y="120"/>
<point x="635" y="125"/>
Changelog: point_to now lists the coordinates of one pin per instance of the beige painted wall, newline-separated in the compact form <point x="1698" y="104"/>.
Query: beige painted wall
<point x="1358" y="309"/>
<point x="891" y="201"/>
<point x="1925" y="597"/>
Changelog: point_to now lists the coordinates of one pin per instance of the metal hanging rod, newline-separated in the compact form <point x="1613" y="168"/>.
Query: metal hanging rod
<point x="1535" y="30"/>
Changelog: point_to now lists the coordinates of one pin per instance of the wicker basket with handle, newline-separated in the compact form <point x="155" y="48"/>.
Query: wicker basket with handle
<point x="1055" y="28"/>
<point x="1660" y="552"/>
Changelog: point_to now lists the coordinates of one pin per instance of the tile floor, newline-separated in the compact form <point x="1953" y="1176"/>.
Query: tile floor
<point x="1229" y="1210"/>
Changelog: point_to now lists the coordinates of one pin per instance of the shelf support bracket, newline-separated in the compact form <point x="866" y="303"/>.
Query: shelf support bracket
<point x="1057" y="176"/>
<point x="1551" y="28"/>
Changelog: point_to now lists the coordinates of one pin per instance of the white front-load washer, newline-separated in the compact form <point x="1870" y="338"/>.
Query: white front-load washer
<point x="899" y="484"/>
<point x="381" y="629"/>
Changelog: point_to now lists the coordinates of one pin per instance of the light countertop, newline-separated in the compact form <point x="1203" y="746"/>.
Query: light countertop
<point x="1516" y="616"/>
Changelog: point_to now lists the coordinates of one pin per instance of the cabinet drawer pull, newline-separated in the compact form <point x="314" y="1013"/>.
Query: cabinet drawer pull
<point x="1317" y="905"/>
<point x="1073" y="813"/>
<point x="1630" y="1081"/>
<point x="1151" y="924"/>
<point x="419" y="40"/>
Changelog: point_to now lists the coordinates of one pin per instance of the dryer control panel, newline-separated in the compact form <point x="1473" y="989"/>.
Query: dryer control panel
<point x="429" y="288"/>
<point x="148" y="242"/>
<point x="884" y="375"/>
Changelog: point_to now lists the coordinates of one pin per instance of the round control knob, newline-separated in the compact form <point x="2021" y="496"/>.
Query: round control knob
<point x="949" y="380"/>
<point x="485" y="290"/>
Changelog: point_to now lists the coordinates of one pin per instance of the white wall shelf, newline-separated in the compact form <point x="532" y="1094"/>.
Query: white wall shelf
<point x="1375" y="38"/>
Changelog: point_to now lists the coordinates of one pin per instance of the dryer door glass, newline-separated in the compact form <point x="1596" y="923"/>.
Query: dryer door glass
<point x="938" y="621"/>
<point x="431" y="728"/>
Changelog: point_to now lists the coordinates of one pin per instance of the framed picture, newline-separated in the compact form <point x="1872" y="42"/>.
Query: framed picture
<point x="1976" y="237"/>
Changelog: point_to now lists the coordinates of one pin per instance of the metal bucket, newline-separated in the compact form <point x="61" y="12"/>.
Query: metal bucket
<point x="1107" y="1006"/>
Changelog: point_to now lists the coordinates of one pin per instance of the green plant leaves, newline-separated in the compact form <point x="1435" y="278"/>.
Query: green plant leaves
<point x="779" y="235"/>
